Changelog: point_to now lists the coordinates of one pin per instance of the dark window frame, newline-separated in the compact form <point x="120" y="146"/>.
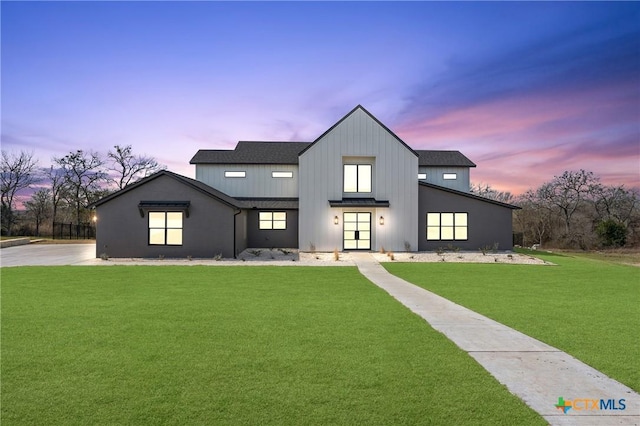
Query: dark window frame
<point x="439" y="226"/>
<point x="357" y="166"/>
<point x="272" y="220"/>
<point x="165" y="228"/>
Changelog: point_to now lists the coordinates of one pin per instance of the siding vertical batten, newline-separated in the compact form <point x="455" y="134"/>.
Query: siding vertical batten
<point x="394" y="171"/>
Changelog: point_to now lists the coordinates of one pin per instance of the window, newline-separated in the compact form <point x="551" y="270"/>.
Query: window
<point x="273" y="220"/>
<point x="165" y="228"/>
<point x="422" y="176"/>
<point x="446" y="226"/>
<point x="357" y="178"/>
<point x="449" y="176"/>
<point x="281" y="174"/>
<point x="235" y="174"/>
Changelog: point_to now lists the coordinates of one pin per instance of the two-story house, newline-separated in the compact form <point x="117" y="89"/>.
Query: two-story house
<point x="358" y="186"/>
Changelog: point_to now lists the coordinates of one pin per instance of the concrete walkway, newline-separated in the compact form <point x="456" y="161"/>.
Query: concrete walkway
<point x="537" y="373"/>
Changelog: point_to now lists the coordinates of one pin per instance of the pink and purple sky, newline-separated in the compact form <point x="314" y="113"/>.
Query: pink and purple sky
<point x="525" y="90"/>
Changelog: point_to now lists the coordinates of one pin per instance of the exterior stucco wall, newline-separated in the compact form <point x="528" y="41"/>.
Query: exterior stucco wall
<point x="122" y="232"/>
<point x="395" y="170"/>
<point x="487" y="223"/>
<point x="272" y="238"/>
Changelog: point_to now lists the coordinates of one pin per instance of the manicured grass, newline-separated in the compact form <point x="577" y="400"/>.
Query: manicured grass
<point x="588" y="308"/>
<point x="230" y="345"/>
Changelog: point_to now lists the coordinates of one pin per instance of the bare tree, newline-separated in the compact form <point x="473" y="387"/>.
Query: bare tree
<point x="83" y="173"/>
<point x="487" y="191"/>
<point x="18" y="173"/>
<point x="39" y="207"/>
<point x="568" y="192"/>
<point x="128" y="167"/>
<point x="536" y="217"/>
<point x="615" y="203"/>
<point x="57" y="178"/>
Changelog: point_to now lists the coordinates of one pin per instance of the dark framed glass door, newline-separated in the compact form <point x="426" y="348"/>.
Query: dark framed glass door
<point x="357" y="231"/>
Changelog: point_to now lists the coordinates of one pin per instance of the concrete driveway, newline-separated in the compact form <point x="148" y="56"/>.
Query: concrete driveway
<point x="48" y="254"/>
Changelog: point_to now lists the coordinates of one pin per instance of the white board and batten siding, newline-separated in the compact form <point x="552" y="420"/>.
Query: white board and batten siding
<point x="394" y="173"/>
<point x="258" y="180"/>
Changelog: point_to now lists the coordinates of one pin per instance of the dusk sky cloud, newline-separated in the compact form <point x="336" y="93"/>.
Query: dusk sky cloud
<point x="525" y="90"/>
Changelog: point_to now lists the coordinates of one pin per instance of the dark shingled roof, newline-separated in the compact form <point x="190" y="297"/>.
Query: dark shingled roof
<point x="188" y="181"/>
<point x="287" y="153"/>
<point x="443" y="158"/>
<point x="252" y="153"/>
<point x="268" y="203"/>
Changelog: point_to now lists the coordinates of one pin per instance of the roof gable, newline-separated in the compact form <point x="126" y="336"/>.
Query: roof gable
<point x="197" y="185"/>
<point x="347" y="116"/>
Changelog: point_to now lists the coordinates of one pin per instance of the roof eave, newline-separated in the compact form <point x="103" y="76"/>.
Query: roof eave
<point x="469" y="195"/>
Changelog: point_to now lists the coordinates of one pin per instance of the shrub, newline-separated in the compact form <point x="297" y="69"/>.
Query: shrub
<point x="612" y="233"/>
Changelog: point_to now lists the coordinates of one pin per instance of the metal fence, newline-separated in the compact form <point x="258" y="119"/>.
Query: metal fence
<point x="70" y="231"/>
<point x="518" y="239"/>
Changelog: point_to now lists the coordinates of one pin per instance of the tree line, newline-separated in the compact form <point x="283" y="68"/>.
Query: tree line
<point x="574" y="210"/>
<point x="62" y="192"/>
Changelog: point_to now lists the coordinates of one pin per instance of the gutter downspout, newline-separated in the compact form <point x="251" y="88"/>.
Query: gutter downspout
<point x="235" y="254"/>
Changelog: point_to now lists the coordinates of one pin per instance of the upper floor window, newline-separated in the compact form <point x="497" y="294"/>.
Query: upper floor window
<point x="232" y="174"/>
<point x="165" y="228"/>
<point x="449" y="176"/>
<point x="357" y="178"/>
<point x="281" y="174"/>
<point x="422" y="176"/>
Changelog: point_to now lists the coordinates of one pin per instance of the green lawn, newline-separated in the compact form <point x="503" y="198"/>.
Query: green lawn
<point x="230" y="345"/>
<point x="588" y="308"/>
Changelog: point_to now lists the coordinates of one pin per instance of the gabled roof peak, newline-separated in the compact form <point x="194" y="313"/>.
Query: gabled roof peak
<point x="363" y="109"/>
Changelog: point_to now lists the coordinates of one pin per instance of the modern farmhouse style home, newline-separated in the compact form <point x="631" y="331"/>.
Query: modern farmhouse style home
<point x="356" y="187"/>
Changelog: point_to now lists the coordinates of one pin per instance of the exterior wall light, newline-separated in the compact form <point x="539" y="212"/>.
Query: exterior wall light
<point x="381" y="220"/>
<point x="335" y="220"/>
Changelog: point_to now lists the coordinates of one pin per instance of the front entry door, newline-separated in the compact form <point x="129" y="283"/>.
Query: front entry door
<point x="357" y="231"/>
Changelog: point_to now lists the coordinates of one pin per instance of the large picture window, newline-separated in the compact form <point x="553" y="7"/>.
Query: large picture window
<point x="273" y="220"/>
<point x="357" y="178"/>
<point x="447" y="226"/>
<point x="165" y="228"/>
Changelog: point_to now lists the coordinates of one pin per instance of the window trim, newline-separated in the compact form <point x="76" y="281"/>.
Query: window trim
<point x="282" y="174"/>
<point x="272" y="220"/>
<point x="453" y="226"/>
<point x="235" y="174"/>
<point x="449" y="176"/>
<point x="357" y="166"/>
<point x="166" y="228"/>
